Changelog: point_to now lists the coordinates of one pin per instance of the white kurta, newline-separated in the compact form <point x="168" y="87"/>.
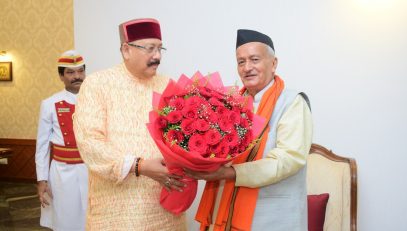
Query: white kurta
<point x="68" y="182"/>
<point x="280" y="174"/>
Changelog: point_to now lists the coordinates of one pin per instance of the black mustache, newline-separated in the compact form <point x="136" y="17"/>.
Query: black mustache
<point x="77" y="81"/>
<point x="155" y="62"/>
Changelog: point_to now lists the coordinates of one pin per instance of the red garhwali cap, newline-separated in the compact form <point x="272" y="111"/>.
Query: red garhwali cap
<point x="136" y="29"/>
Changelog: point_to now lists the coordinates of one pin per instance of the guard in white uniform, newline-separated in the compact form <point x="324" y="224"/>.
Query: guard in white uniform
<point x="61" y="174"/>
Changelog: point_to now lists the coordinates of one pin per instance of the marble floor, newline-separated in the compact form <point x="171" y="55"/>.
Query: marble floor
<point x="19" y="207"/>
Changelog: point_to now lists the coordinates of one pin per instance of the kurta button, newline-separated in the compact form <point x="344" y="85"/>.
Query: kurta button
<point x="59" y="114"/>
<point x="68" y="143"/>
<point x="62" y="124"/>
<point x="65" y="133"/>
<point x="61" y="103"/>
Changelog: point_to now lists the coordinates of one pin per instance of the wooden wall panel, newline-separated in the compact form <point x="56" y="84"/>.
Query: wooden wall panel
<point x="21" y="166"/>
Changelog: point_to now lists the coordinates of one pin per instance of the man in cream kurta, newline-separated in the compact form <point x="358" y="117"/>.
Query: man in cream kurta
<point x="126" y="168"/>
<point x="280" y="173"/>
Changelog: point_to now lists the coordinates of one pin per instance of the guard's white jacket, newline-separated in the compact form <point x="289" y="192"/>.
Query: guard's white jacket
<point x="69" y="182"/>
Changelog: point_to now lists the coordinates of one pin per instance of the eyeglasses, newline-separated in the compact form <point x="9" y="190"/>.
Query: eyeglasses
<point x="150" y="49"/>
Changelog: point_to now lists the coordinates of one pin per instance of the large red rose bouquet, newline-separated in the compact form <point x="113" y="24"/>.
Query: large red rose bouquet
<point x="198" y="123"/>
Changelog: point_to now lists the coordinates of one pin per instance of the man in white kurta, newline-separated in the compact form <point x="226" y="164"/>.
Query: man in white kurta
<point x="126" y="171"/>
<point x="279" y="173"/>
<point x="62" y="177"/>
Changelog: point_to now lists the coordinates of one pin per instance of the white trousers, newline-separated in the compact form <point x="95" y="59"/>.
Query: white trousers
<point x="69" y="187"/>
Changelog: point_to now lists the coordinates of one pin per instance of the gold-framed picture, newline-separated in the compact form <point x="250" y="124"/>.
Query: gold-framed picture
<point x="6" y="71"/>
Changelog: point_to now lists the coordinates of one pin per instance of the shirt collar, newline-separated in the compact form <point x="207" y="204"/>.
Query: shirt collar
<point x="70" y="97"/>
<point x="259" y="95"/>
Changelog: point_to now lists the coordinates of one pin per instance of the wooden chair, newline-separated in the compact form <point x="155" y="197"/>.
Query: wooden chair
<point x="336" y="175"/>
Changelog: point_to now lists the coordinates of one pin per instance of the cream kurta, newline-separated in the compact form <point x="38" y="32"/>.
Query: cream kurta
<point x="110" y="128"/>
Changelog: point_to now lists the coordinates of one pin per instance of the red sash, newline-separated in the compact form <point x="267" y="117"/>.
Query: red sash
<point x="69" y="155"/>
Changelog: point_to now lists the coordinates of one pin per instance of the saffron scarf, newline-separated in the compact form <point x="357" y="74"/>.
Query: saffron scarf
<point x="240" y="212"/>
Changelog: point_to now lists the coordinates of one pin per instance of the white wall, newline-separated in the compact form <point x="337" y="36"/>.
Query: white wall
<point x="349" y="56"/>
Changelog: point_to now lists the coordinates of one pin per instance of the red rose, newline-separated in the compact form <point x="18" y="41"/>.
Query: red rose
<point x="212" y="137"/>
<point x="167" y="99"/>
<point x="190" y="112"/>
<point x="222" y="111"/>
<point x="174" y="117"/>
<point x="204" y="91"/>
<point x="197" y="144"/>
<point x="234" y="152"/>
<point x="213" y="118"/>
<point x="244" y="123"/>
<point x="237" y="109"/>
<point x="174" y="135"/>
<point x="217" y="95"/>
<point x="201" y="125"/>
<point x="187" y="126"/>
<point x="193" y="101"/>
<point x="177" y="103"/>
<point x="247" y="139"/>
<point x="213" y="148"/>
<point x="215" y="102"/>
<point x="225" y="124"/>
<point x="242" y="147"/>
<point x="232" y="139"/>
<point x="234" y="117"/>
<point x="222" y="150"/>
<point x="161" y="122"/>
